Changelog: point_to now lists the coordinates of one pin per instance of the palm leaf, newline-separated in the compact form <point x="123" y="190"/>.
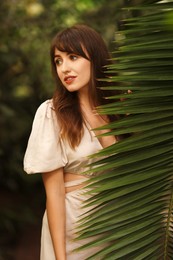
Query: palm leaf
<point x="131" y="204"/>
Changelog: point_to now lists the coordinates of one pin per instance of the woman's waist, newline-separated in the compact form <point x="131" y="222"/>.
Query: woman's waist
<point x="74" y="181"/>
<point x="69" y="176"/>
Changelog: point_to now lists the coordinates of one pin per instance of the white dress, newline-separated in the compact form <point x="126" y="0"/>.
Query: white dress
<point x="46" y="151"/>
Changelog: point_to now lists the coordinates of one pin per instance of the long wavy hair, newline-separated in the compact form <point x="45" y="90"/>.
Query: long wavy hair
<point x="75" y="40"/>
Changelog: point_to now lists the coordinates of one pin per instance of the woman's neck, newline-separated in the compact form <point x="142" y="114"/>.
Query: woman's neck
<point x="85" y="101"/>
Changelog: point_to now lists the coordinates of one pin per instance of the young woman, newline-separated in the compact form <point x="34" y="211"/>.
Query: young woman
<point x="61" y="139"/>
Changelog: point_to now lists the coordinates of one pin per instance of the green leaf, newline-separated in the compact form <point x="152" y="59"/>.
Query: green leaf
<point x="130" y="204"/>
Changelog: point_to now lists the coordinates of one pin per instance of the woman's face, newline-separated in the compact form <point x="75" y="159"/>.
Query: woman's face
<point x="74" y="71"/>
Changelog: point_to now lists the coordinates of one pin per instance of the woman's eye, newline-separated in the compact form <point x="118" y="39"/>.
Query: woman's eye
<point x="73" y="57"/>
<point x="58" y="61"/>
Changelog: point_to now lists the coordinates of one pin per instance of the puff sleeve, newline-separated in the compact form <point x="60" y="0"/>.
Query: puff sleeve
<point x="44" y="151"/>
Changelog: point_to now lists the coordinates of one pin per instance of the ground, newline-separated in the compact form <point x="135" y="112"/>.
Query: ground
<point x="26" y="248"/>
<point x="20" y="225"/>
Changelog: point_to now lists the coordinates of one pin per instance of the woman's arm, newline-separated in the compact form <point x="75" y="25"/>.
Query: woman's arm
<point x="55" y="205"/>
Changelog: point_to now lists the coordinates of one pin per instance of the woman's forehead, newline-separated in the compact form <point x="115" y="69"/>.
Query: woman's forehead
<point x="78" y="49"/>
<point x="68" y="44"/>
<point x="59" y="52"/>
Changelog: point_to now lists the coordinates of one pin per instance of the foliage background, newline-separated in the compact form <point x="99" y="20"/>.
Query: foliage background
<point x="26" y="28"/>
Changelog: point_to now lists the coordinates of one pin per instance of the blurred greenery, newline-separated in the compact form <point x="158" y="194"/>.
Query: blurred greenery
<point x="26" y="29"/>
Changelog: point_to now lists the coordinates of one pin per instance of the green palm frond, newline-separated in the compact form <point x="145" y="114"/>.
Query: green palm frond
<point x="133" y="198"/>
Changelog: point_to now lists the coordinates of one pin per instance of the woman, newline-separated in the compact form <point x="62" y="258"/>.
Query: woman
<point x="61" y="139"/>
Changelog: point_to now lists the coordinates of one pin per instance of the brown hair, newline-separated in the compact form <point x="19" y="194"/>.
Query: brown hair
<point x="75" y="40"/>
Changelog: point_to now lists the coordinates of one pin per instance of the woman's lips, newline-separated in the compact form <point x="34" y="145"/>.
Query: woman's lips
<point x="69" y="79"/>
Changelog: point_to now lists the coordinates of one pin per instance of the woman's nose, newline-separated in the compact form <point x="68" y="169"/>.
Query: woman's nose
<point x="65" y="67"/>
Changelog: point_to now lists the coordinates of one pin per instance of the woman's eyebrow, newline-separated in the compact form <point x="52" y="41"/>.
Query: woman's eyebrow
<point x="57" y="55"/>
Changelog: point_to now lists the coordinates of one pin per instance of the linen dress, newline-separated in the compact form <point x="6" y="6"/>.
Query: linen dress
<point x="46" y="151"/>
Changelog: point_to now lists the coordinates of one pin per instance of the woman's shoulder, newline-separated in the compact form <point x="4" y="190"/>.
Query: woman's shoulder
<point x="46" y="108"/>
<point x="46" y="112"/>
<point x="45" y="116"/>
